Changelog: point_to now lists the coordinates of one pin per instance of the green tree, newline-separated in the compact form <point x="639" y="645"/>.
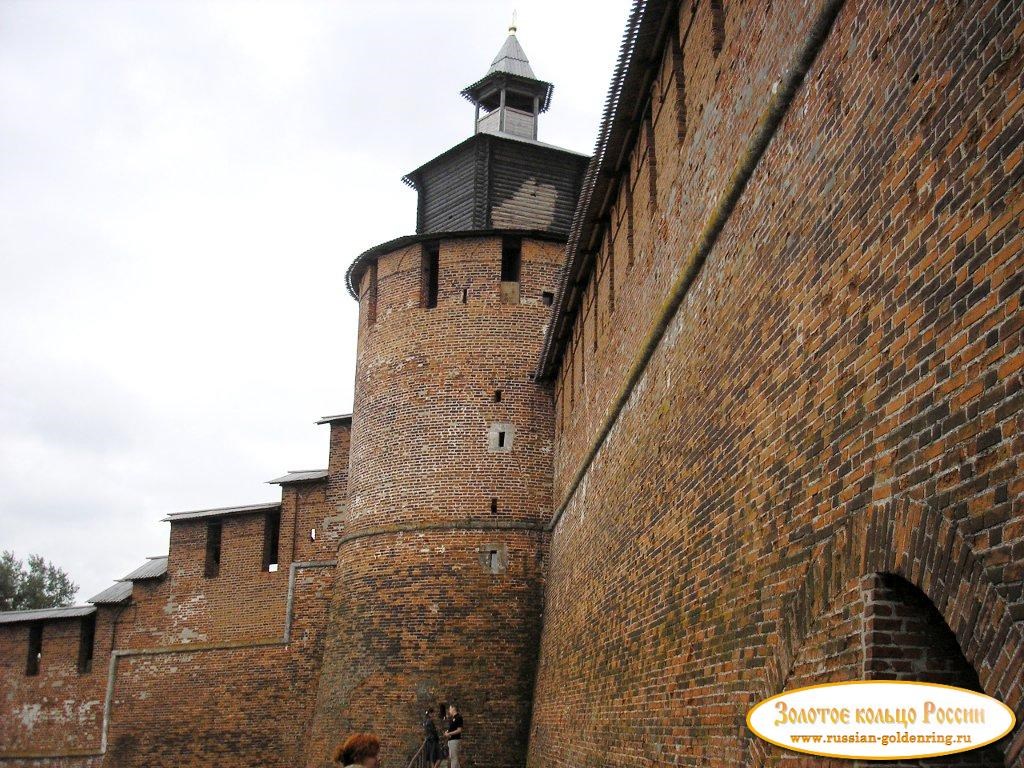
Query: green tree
<point x="41" y="585"/>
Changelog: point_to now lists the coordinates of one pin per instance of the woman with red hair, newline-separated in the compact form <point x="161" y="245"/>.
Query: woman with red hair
<point x="359" y="750"/>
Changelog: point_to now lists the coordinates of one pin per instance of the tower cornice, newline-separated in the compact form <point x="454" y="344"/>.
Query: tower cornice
<point x="355" y="270"/>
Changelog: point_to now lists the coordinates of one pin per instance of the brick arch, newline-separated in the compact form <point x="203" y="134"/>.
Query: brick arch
<point x="906" y="638"/>
<point x="918" y="543"/>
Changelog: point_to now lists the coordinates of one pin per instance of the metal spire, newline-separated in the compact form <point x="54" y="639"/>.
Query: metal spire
<point x="511" y="58"/>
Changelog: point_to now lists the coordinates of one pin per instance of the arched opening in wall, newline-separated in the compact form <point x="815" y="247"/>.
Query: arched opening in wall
<point x="879" y="626"/>
<point x="906" y="638"/>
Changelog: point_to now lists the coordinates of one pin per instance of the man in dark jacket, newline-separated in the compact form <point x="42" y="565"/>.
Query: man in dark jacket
<point x="454" y="736"/>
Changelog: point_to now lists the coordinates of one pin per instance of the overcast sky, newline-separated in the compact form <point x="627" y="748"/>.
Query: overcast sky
<point x="182" y="185"/>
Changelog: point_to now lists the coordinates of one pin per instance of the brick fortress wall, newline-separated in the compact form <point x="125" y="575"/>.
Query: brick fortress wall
<point x="60" y="710"/>
<point x="837" y="396"/>
<point x="242" y="698"/>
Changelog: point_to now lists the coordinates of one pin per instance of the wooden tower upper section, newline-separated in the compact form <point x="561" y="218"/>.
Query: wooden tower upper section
<point x="502" y="177"/>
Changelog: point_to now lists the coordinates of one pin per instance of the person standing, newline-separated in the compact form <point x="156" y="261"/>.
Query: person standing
<point x="454" y="735"/>
<point x="431" y="741"/>
<point x="442" y="715"/>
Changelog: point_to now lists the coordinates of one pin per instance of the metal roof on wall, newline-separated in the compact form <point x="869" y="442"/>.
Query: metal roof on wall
<point x="299" y="476"/>
<point x="199" y="514"/>
<point x="117" y="592"/>
<point x="334" y="419"/>
<point x="43" y="614"/>
<point x="153" y="568"/>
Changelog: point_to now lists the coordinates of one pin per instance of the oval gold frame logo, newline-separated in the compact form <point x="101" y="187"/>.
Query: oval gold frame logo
<point x="880" y="720"/>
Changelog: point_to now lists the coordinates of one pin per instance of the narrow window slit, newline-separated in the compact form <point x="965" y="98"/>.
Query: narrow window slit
<point x="35" y="649"/>
<point x="572" y="376"/>
<point x="494" y="506"/>
<point x="271" y="539"/>
<point x="213" y="536"/>
<point x="679" y="74"/>
<point x="511" y="256"/>
<point x="86" y="644"/>
<point x="430" y="263"/>
<point x="652" y="160"/>
<point x="611" y="276"/>
<point x="629" y="219"/>
<point x="717" y="26"/>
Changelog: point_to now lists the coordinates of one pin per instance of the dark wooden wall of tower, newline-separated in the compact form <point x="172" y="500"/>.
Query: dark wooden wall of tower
<point x="493" y="182"/>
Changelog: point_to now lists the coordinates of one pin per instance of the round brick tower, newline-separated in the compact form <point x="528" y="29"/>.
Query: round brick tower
<point x="440" y="562"/>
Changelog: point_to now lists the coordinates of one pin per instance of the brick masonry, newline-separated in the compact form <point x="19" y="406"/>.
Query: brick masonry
<point x="239" y="701"/>
<point x="247" y="705"/>
<point x="816" y="476"/>
<point x="838" y="394"/>
<point x="61" y="708"/>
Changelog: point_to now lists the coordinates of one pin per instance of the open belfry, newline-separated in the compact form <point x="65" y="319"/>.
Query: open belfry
<point x="732" y="407"/>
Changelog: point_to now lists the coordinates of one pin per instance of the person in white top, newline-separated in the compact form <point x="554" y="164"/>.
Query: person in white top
<point x="454" y="736"/>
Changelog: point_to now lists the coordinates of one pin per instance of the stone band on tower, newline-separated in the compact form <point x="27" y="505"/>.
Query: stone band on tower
<point x="440" y="562"/>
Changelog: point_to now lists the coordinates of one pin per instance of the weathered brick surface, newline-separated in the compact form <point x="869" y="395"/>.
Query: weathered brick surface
<point x="61" y="708"/>
<point x="425" y="392"/>
<point x="238" y="703"/>
<point x="304" y="508"/>
<point x="850" y="348"/>
<point x="906" y="638"/>
<point x="229" y="706"/>
<point x="187" y="606"/>
<point x="419" y="619"/>
<point x="337" y="461"/>
<point x="881" y="627"/>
